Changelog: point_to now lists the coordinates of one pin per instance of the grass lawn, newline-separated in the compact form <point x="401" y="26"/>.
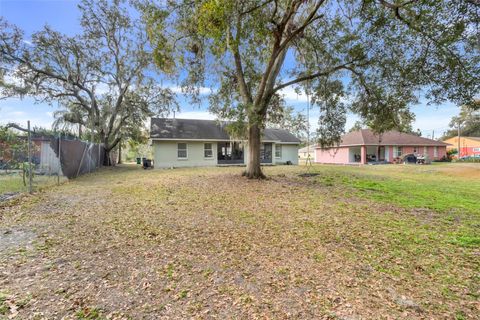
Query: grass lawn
<point x="370" y="242"/>
<point x="13" y="182"/>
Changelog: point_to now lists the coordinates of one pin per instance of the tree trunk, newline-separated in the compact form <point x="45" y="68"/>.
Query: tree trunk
<point x="254" y="171"/>
<point x="107" y="160"/>
<point x="119" y="153"/>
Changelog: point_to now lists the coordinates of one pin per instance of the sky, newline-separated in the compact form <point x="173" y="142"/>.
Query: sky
<point x="63" y="15"/>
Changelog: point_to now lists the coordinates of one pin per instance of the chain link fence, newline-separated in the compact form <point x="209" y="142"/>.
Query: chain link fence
<point x="31" y="161"/>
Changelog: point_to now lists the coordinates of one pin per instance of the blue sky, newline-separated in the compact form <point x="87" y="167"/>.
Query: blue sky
<point x="62" y="15"/>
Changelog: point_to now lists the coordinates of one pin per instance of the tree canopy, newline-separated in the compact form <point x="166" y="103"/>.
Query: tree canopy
<point x="469" y="122"/>
<point x="101" y="78"/>
<point x="372" y="57"/>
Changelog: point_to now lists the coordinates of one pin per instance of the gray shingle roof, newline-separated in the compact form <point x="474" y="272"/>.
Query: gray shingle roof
<point x="167" y="128"/>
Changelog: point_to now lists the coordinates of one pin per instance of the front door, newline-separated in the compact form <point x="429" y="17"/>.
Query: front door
<point x="381" y="154"/>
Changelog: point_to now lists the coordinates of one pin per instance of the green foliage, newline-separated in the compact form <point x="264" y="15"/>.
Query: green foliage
<point x="469" y="121"/>
<point x="213" y="22"/>
<point x="368" y="57"/>
<point x="89" y="314"/>
<point x="3" y="304"/>
<point x="155" y="25"/>
<point x="13" y="147"/>
<point x="358" y="125"/>
<point x="101" y="77"/>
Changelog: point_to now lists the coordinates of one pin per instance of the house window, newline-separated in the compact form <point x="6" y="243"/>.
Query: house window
<point x="476" y="149"/>
<point x="182" y="151"/>
<point x="399" y="152"/>
<point x="207" y="150"/>
<point x="425" y="150"/>
<point x="414" y="149"/>
<point x="278" y="151"/>
<point x="435" y="151"/>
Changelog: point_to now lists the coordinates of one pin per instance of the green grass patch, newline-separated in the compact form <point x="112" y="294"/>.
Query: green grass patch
<point x="88" y="313"/>
<point x="11" y="183"/>
<point x="407" y="186"/>
<point x="467" y="241"/>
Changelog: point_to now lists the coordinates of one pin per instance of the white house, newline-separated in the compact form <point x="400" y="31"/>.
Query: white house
<point x="191" y="143"/>
<point x="306" y="151"/>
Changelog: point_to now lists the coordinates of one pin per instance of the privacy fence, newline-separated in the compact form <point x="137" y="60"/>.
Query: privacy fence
<point x="31" y="161"/>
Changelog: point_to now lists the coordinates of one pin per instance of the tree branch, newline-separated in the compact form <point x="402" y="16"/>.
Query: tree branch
<point x="312" y="76"/>
<point x="16" y="126"/>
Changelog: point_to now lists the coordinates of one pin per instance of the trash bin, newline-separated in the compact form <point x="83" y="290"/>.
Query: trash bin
<point x="147" y="163"/>
<point x="139" y="160"/>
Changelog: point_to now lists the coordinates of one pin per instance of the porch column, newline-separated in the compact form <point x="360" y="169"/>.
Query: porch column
<point x="363" y="154"/>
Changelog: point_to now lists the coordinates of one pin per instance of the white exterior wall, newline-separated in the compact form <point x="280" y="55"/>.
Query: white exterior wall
<point x="49" y="162"/>
<point x="289" y="153"/>
<point x="165" y="154"/>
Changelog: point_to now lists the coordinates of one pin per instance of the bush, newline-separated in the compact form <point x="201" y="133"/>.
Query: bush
<point x="469" y="159"/>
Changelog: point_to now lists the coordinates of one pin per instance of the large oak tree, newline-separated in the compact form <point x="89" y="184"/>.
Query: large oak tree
<point x="101" y="78"/>
<point x="373" y="57"/>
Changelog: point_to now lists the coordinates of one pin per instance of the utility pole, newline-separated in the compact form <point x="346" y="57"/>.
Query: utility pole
<point x="308" y="162"/>
<point x="59" y="157"/>
<point x="29" y="158"/>
<point x="458" y="150"/>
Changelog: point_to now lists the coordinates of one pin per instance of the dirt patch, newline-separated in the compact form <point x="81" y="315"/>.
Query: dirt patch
<point x="9" y="196"/>
<point x="15" y="238"/>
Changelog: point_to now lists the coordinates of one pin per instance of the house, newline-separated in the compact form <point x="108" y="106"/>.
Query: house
<point x="191" y="143"/>
<point x="363" y="146"/>
<point x="469" y="146"/>
<point x="304" y="152"/>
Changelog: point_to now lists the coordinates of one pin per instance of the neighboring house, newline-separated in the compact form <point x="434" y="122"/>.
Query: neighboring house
<point x="191" y="143"/>
<point x="305" y="151"/>
<point x="469" y="146"/>
<point x="364" y="146"/>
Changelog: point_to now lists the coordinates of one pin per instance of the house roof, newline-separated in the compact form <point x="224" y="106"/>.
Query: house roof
<point x="368" y="137"/>
<point x="454" y="140"/>
<point x="305" y="149"/>
<point x="194" y="129"/>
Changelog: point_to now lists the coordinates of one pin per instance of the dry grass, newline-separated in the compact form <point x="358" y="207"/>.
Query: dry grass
<point x="206" y="243"/>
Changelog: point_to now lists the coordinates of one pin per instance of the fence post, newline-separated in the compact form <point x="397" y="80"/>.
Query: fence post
<point x="81" y="160"/>
<point x="98" y="162"/>
<point x="29" y="158"/>
<point x="90" y="150"/>
<point x="59" y="157"/>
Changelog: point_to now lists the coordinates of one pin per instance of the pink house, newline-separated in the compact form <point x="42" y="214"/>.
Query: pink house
<point x="363" y="146"/>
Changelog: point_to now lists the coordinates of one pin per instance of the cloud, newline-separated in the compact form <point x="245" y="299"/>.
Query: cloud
<point x="203" y="90"/>
<point x="202" y="115"/>
<point x="16" y="113"/>
<point x="290" y="95"/>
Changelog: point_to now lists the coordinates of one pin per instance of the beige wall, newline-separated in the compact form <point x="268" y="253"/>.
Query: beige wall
<point x="289" y="153"/>
<point x="165" y="154"/>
